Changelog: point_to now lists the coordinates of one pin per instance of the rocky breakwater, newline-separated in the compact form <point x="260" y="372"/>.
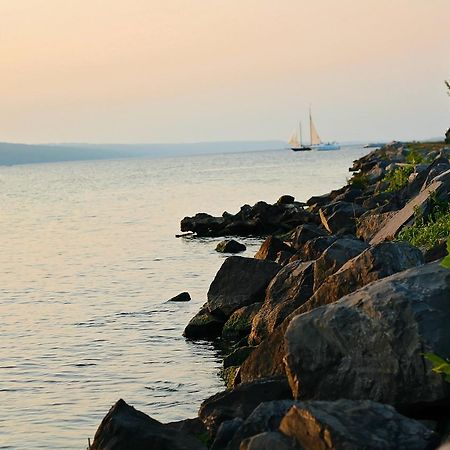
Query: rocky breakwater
<point x="328" y="326"/>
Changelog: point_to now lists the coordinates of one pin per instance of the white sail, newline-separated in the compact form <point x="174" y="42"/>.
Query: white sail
<point x="315" y="138"/>
<point x="293" y="140"/>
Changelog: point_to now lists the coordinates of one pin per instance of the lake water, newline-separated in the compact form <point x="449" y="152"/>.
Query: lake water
<point x="89" y="258"/>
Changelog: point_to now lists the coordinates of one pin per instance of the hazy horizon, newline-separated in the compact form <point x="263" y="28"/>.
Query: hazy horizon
<point x="145" y="71"/>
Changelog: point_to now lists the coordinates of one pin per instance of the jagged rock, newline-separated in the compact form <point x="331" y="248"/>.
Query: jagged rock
<point x="269" y="440"/>
<point x="370" y="344"/>
<point x="230" y="246"/>
<point x="285" y="200"/>
<point x="125" y="428"/>
<point x="390" y="229"/>
<point x="369" y="224"/>
<point x="271" y="247"/>
<point x="204" y="325"/>
<point x="239" y="324"/>
<point x="376" y="262"/>
<point x="354" y="425"/>
<point x="304" y="233"/>
<point x="289" y="289"/>
<point x="226" y="431"/>
<point x="314" y="248"/>
<point x="340" y="217"/>
<point x="334" y="257"/>
<point x="239" y="282"/>
<point x="182" y="297"/>
<point x="203" y="224"/>
<point x="265" y="418"/>
<point x="241" y="401"/>
<point x="320" y="200"/>
<point x="192" y="427"/>
<point x="237" y="357"/>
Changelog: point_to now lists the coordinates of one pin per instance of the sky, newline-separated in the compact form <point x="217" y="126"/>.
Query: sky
<point x="133" y="71"/>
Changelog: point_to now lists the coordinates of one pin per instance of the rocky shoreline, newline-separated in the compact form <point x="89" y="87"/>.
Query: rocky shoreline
<point x="329" y="326"/>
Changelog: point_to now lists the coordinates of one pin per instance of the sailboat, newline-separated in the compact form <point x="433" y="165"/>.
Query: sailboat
<point x="316" y="142"/>
<point x="295" y="141"/>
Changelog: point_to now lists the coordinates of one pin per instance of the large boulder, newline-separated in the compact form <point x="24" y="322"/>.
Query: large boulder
<point x="370" y="344"/>
<point x="304" y="233"/>
<point x="125" y="428"/>
<point x="372" y="264"/>
<point x="314" y="248"/>
<point x="241" y="401"/>
<point x="354" y="425"/>
<point x="334" y="257"/>
<point x="370" y="223"/>
<point x="239" y="282"/>
<point x="289" y="289"/>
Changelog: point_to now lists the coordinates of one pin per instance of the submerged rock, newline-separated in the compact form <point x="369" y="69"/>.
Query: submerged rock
<point x="182" y="297"/>
<point x="230" y="246"/>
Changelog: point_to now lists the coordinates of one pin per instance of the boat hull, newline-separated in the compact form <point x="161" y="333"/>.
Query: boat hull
<point x="300" y="149"/>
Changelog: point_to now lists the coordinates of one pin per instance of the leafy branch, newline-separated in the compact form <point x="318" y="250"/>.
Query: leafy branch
<point x="440" y="365"/>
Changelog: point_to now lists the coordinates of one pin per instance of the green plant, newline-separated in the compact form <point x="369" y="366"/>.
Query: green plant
<point x="398" y="178"/>
<point x="446" y="261"/>
<point x="440" y="365"/>
<point x="359" y="180"/>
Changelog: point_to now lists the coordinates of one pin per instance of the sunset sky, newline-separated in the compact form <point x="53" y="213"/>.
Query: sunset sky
<point x="198" y="70"/>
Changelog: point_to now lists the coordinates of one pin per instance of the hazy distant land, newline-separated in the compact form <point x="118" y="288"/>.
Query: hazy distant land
<point x="11" y="154"/>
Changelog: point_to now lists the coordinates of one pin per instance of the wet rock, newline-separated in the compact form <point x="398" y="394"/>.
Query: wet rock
<point x="203" y="224"/>
<point x="354" y="425"/>
<point x="125" y="428"/>
<point x="334" y="257"/>
<point x="182" y="297"/>
<point x="241" y="401"/>
<point x="289" y="289"/>
<point x="230" y="246"/>
<point x="271" y="247"/>
<point x="239" y="282"/>
<point x="204" y="325"/>
<point x="376" y="262"/>
<point x="239" y="324"/>
<point x="370" y="344"/>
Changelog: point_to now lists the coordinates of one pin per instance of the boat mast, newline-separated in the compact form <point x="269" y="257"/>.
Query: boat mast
<point x="310" y="125"/>
<point x="300" y="129"/>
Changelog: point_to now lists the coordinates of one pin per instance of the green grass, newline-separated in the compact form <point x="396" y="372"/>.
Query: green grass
<point x="359" y="180"/>
<point x="398" y="178"/>
<point x="426" y="233"/>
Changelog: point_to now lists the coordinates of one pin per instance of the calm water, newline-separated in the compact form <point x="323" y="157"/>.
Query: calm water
<point x="89" y="258"/>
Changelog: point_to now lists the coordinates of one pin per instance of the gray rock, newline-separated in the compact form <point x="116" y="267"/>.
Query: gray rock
<point x="304" y="233"/>
<point x="372" y="264"/>
<point x="334" y="257"/>
<point x="230" y="246"/>
<point x="225" y="433"/>
<point x="182" y="297"/>
<point x="314" y="248"/>
<point x="265" y="418"/>
<point x="239" y="282"/>
<point x="289" y="289"/>
<point x="125" y="428"/>
<point x="354" y="425"/>
<point x="370" y="223"/>
<point x="241" y="401"/>
<point x="370" y="344"/>
<point x="340" y="217"/>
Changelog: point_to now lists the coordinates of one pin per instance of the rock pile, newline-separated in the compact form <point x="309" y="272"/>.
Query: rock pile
<point x="327" y="326"/>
